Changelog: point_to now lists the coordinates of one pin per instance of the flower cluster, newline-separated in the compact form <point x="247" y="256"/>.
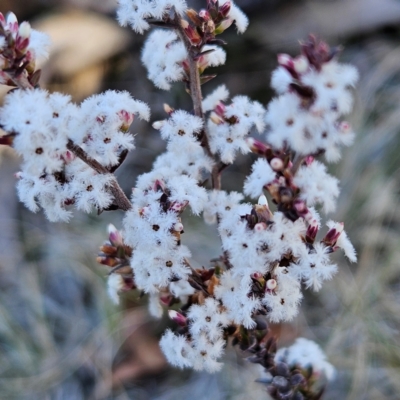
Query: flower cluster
<point x="268" y="254"/>
<point x="164" y="54"/>
<point x="52" y="176"/>
<point x="314" y="92"/>
<point x="229" y="125"/>
<point x="184" y="155"/>
<point x="206" y="343"/>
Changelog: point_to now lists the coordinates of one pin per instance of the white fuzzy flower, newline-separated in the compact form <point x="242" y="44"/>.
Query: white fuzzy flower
<point x="208" y="318"/>
<point x="181" y="290"/>
<point x="90" y="189"/>
<point x="162" y="55"/>
<point x="176" y="349"/>
<point x="41" y="123"/>
<point x="206" y="353"/>
<point x="233" y="292"/>
<point x="313" y="269"/>
<point x="317" y="186"/>
<point x="282" y="303"/>
<point x="281" y="79"/>
<point x="39" y="44"/>
<point x="227" y="136"/>
<point x="200" y="353"/>
<point x="220" y="94"/>
<point x="156" y="271"/>
<point x="45" y="192"/>
<point x="261" y="175"/>
<point x="221" y="204"/>
<point x="214" y="58"/>
<point x="191" y="163"/>
<point x="313" y="127"/>
<point x="181" y="126"/>
<point x="184" y="188"/>
<point x="101" y="125"/>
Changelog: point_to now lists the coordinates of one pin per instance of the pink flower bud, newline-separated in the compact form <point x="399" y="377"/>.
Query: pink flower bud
<point x="204" y="14"/>
<point x="168" y="109"/>
<point x="285" y="60"/>
<point x="129" y="284"/>
<point x="12" y="23"/>
<point x="109" y="261"/>
<point x="126" y="118"/>
<point x="256" y="146"/>
<point x="301" y="64"/>
<point x="309" y="160"/>
<point x="225" y="9"/>
<point x="201" y="63"/>
<point x="223" y="26"/>
<point x="333" y="234"/>
<point x="276" y="164"/>
<point x="185" y="65"/>
<point x="191" y="33"/>
<point x="271" y="284"/>
<point x="165" y="300"/>
<point x="312" y="231"/>
<point x="115" y="236"/>
<point x="216" y="119"/>
<point x="282" y="181"/>
<point x="178" y="207"/>
<point x="262" y="201"/>
<point x="177" y="317"/>
<point x="159" y="185"/>
<point x="144" y="211"/>
<point x="260" y="226"/>
<point x="178" y="227"/>
<point x="344" y="127"/>
<point x="300" y="206"/>
<point x="24" y="30"/>
<point x="220" y="109"/>
<point x="21" y="44"/>
<point x="158" y="125"/>
<point x="101" y="119"/>
<point x="258" y="277"/>
<point x="68" y="156"/>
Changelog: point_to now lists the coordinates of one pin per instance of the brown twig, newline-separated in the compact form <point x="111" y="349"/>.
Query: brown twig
<point x="297" y="161"/>
<point x="193" y="52"/>
<point x="216" y="174"/>
<point x="196" y="94"/>
<point x="120" y="199"/>
<point x="80" y="153"/>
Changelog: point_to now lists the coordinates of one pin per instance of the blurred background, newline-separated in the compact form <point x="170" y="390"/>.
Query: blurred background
<point x="60" y="336"/>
